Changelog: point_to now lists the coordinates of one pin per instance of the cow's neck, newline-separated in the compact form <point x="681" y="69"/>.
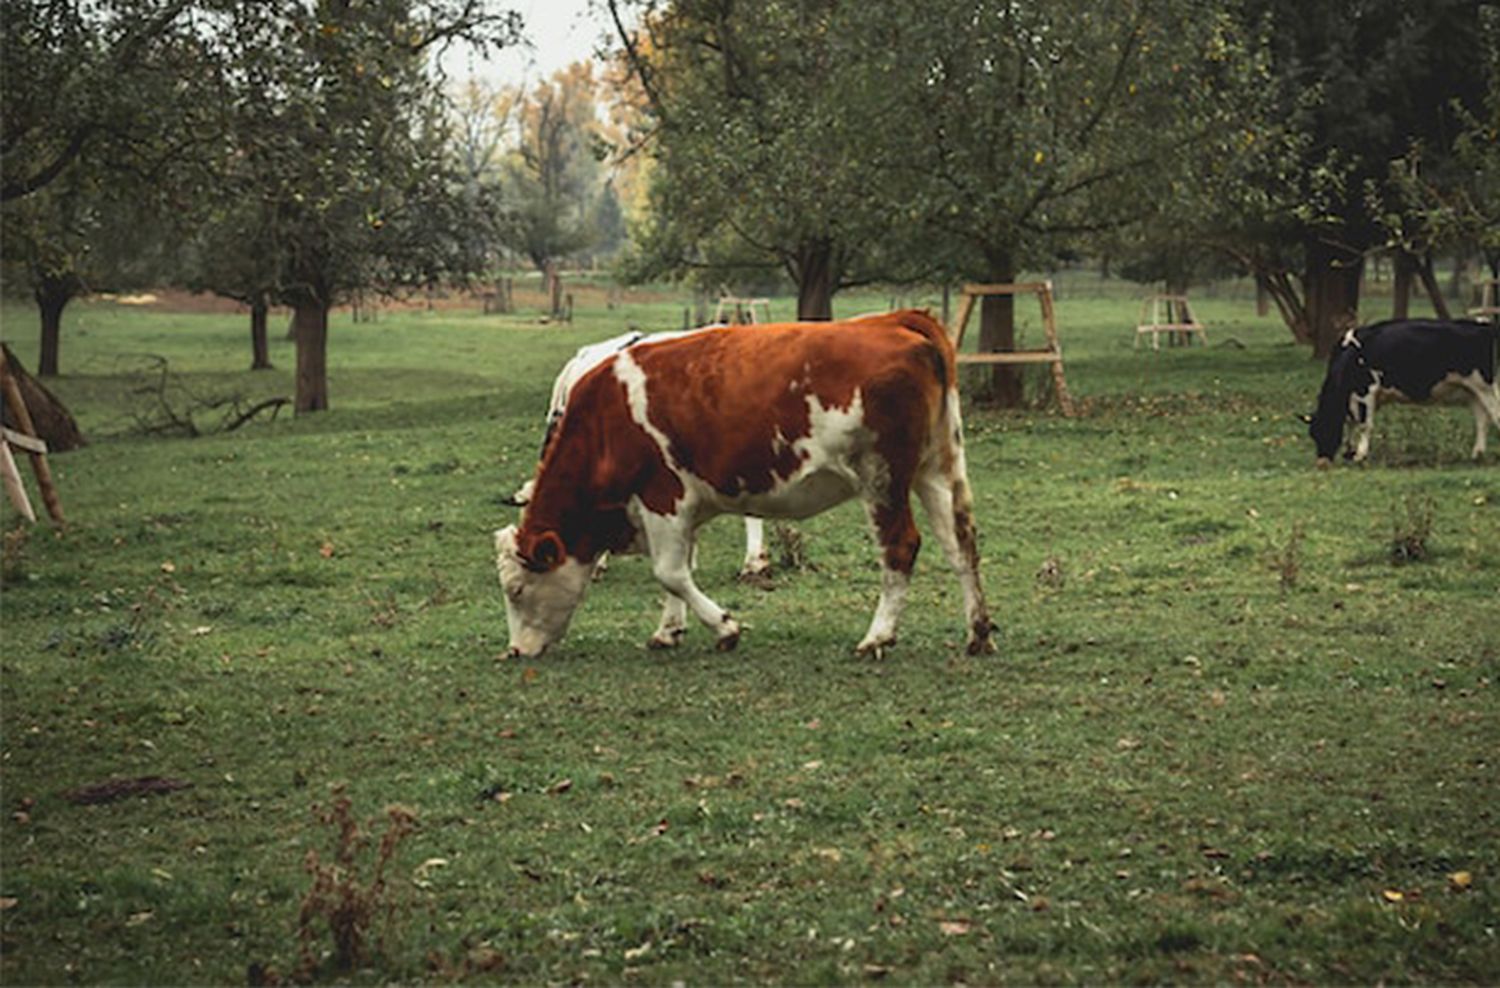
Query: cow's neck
<point x="566" y="502"/>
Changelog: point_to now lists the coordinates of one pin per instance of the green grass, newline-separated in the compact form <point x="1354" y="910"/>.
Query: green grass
<point x="1227" y="736"/>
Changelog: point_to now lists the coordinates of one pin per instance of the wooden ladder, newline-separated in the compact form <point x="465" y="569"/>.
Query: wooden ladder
<point x="1050" y="354"/>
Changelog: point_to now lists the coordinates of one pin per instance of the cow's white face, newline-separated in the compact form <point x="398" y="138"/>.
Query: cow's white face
<point x="541" y="592"/>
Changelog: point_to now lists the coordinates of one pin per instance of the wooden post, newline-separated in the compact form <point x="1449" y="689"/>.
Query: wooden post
<point x="14" y="489"/>
<point x="28" y="428"/>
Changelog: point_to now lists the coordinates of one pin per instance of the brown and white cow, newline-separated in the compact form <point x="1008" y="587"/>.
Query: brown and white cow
<point x="757" y="562"/>
<point x="780" y="421"/>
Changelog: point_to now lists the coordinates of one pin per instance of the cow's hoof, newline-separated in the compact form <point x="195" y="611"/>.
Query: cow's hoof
<point x="1324" y="463"/>
<point x="662" y="640"/>
<point x="730" y="640"/>
<point x="874" y="648"/>
<point x="981" y="638"/>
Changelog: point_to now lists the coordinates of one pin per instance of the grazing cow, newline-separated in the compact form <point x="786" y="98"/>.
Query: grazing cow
<point x="783" y="421"/>
<point x="757" y="561"/>
<point x="1418" y="360"/>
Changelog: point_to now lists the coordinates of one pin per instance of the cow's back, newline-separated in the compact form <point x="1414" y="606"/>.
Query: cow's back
<point x="738" y="408"/>
<point x="1414" y="355"/>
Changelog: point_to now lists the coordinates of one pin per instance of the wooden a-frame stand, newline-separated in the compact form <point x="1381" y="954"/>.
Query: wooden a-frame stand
<point x="26" y="439"/>
<point x="1051" y="354"/>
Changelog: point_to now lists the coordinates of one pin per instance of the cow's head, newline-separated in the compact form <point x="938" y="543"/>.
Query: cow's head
<point x="543" y="587"/>
<point x="1347" y="373"/>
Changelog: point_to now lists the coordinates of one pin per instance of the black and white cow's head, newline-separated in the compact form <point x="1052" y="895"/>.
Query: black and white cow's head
<point x="1348" y="375"/>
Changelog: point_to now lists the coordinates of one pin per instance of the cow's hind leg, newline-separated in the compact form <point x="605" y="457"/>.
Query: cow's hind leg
<point x="757" y="564"/>
<point x="899" y="543"/>
<point x="671" y="546"/>
<point x="949" y="510"/>
<point x="1485" y="405"/>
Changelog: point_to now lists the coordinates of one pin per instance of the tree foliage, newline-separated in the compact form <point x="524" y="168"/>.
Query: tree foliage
<point x="771" y="131"/>
<point x="551" y="179"/>
<point x="1357" y="84"/>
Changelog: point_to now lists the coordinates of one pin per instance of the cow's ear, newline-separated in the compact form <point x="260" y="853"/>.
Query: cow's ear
<point x="546" y="552"/>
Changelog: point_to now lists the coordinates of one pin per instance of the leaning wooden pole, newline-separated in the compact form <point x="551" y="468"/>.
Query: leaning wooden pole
<point x="38" y="460"/>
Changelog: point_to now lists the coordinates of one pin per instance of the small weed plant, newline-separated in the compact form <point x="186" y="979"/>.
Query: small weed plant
<point x="1286" y="559"/>
<point x="351" y="891"/>
<point x="1411" y="528"/>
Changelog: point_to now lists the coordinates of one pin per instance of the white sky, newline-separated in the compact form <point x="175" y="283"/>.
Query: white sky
<point x="560" y="31"/>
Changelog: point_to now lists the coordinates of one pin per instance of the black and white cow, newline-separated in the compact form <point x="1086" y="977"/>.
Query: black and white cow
<point x="1416" y="360"/>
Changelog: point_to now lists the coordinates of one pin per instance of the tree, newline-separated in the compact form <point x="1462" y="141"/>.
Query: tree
<point x="1034" y="128"/>
<point x="98" y="115"/>
<point x="335" y="105"/>
<point x="766" y="122"/>
<point x="552" y="175"/>
<point x="82" y="232"/>
<point x="1358" y="82"/>
<point x="1448" y="199"/>
<point x="72" y="78"/>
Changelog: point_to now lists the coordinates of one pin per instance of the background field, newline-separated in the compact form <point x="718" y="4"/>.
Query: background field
<point x="1230" y="734"/>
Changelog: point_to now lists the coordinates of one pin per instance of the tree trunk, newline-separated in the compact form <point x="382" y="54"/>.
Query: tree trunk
<point x="52" y="296"/>
<point x="815" y="279"/>
<point x="1401" y="287"/>
<point x="1331" y="284"/>
<point x="310" y="317"/>
<point x="260" y="348"/>
<point x="997" y="332"/>
<point x="1434" y="292"/>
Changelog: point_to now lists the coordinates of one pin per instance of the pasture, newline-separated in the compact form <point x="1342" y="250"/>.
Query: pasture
<point x="1243" y="724"/>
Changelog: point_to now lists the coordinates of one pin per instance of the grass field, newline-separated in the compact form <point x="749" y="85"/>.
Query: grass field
<point x="1243" y="724"/>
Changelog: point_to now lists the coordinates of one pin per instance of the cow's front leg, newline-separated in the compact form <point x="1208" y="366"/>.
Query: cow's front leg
<point x="673" y="622"/>
<point x="1364" y="424"/>
<point x="671" y="544"/>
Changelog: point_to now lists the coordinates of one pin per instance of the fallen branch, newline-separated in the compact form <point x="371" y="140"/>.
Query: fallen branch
<point x="254" y="410"/>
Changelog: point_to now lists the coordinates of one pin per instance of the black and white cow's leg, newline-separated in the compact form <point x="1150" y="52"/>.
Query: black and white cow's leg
<point x="899" y="542"/>
<point x="1362" y="408"/>
<point x="949" y="508"/>
<point x="1485" y="405"/>
<point x="670" y="541"/>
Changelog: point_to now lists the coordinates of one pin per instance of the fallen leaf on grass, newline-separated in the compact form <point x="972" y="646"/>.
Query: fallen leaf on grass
<point x="955" y="927"/>
<point x="8" y="902"/>
<point x="560" y="787"/>
<point x="136" y="919"/>
<point x="1392" y="895"/>
<point x="1460" y="881"/>
<point x="326" y="550"/>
